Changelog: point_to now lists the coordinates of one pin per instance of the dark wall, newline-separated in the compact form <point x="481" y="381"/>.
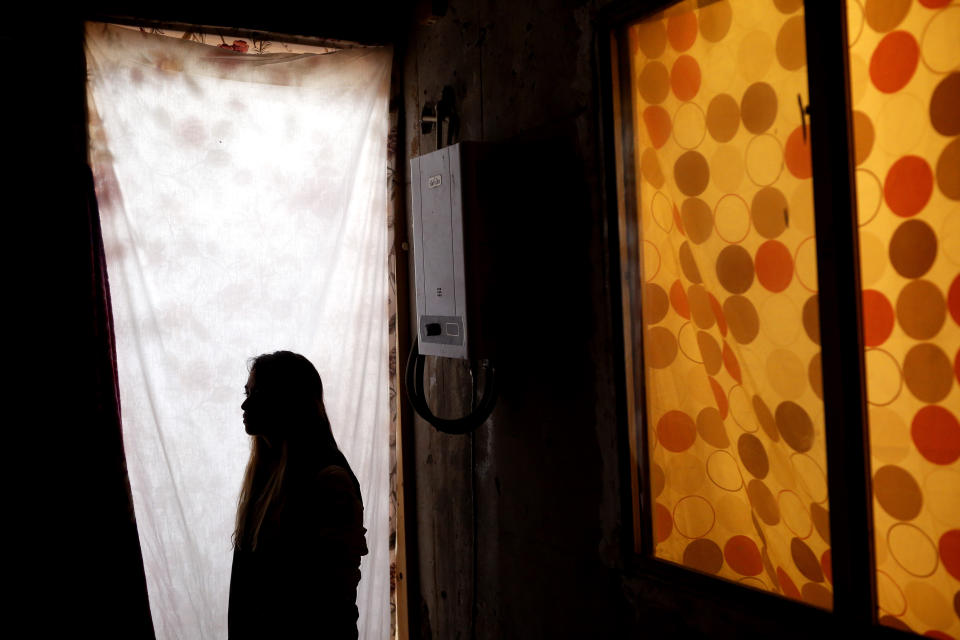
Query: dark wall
<point x="517" y="523"/>
<point x="74" y="554"/>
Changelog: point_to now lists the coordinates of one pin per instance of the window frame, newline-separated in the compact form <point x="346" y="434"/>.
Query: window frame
<point x="844" y="387"/>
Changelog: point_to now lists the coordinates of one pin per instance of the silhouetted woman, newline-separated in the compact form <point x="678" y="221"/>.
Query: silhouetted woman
<point x="299" y="535"/>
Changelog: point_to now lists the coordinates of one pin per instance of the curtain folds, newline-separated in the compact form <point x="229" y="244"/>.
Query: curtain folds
<point x="243" y="203"/>
<point x="121" y="571"/>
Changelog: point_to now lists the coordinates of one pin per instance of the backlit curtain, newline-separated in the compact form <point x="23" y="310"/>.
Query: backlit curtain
<point x="738" y="468"/>
<point x="905" y="91"/>
<point x="243" y="204"/>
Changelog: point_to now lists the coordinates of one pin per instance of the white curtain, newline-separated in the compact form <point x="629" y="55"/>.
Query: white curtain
<point x="243" y="205"/>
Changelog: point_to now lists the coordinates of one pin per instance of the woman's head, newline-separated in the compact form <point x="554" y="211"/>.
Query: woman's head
<point x="284" y="412"/>
<point x="285" y="400"/>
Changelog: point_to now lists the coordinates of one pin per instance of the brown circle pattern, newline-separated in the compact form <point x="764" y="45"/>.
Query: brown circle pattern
<point x="921" y="309"/>
<point x="710" y="352"/>
<point x="948" y="176"/>
<point x="700" y="309"/>
<point x="897" y="492"/>
<point x="792" y="44"/>
<point x="735" y="269"/>
<point x="821" y="521"/>
<point x="763" y="502"/>
<point x="811" y="318"/>
<point x="660" y="347"/>
<point x="652" y="37"/>
<point x="913" y="248"/>
<point x="863" y="137"/>
<point x="650" y="168"/>
<point x="805" y="560"/>
<point x="944" y="115"/>
<point x="723" y="117"/>
<point x="691" y="173"/>
<point x="817" y="595"/>
<point x="753" y="455"/>
<point x="655" y="303"/>
<point x="884" y="15"/>
<point x="927" y="372"/>
<point x="697" y="219"/>
<point x="715" y="20"/>
<point x="657" y="480"/>
<point x="688" y="264"/>
<point x="765" y="418"/>
<point x="654" y="82"/>
<point x="788" y="6"/>
<point x="703" y="555"/>
<point x="711" y="429"/>
<point x="758" y="107"/>
<point x="795" y="426"/>
<point x="769" y="212"/>
<point x="742" y="318"/>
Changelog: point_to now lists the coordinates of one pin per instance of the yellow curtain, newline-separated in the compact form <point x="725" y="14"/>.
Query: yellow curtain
<point x="905" y="90"/>
<point x="731" y="342"/>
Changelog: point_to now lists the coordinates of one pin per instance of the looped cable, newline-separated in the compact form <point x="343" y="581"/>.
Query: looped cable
<point x="469" y="422"/>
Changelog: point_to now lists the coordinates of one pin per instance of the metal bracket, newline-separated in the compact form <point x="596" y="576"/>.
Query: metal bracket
<point x="441" y="114"/>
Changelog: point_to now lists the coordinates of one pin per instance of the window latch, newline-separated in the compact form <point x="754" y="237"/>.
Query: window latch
<point x="804" y="112"/>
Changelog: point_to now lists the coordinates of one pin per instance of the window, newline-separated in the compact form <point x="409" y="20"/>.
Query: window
<point x="748" y="415"/>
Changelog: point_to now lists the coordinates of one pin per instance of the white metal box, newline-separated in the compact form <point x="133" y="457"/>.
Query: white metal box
<point x="449" y="242"/>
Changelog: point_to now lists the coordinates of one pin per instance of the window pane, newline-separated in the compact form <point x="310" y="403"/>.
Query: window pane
<point x="905" y="90"/>
<point x="730" y="312"/>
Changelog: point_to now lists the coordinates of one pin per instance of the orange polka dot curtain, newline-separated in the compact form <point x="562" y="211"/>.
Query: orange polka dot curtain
<point x="731" y="343"/>
<point x="905" y="92"/>
<point x="731" y="359"/>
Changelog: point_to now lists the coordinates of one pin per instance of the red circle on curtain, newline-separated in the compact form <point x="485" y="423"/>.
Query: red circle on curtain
<point x="908" y="186"/>
<point x="936" y="434"/>
<point x="774" y="266"/>
<point x="685" y="78"/>
<point x="878" y="318"/>
<point x="742" y="556"/>
<point x="797" y="155"/>
<point x="894" y="61"/>
<point x="950" y="552"/>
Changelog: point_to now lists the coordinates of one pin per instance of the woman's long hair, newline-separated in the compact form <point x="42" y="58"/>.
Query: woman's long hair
<point x="296" y="442"/>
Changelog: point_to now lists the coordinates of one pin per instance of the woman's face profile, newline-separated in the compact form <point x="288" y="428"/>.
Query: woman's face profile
<point x="255" y="407"/>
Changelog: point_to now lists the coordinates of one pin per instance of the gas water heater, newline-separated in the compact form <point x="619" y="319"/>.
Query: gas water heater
<point x="453" y="276"/>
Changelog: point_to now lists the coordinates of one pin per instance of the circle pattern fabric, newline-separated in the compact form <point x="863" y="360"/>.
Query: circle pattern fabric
<point x="734" y="372"/>
<point x="731" y="351"/>
<point x="906" y="127"/>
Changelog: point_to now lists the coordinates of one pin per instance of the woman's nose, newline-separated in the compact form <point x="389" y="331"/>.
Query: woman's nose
<point x="243" y="405"/>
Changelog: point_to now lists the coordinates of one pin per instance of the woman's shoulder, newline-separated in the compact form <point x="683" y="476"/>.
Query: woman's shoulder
<point x="336" y="478"/>
<point x="334" y="473"/>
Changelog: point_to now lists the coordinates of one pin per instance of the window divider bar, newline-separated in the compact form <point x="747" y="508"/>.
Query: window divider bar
<point x="634" y="279"/>
<point x="842" y="356"/>
<point x="608" y="66"/>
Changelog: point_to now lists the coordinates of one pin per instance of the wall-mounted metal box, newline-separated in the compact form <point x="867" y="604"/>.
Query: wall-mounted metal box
<point x="451" y="250"/>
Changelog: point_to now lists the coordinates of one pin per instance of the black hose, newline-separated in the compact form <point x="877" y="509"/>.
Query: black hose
<point x="466" y="424"/>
